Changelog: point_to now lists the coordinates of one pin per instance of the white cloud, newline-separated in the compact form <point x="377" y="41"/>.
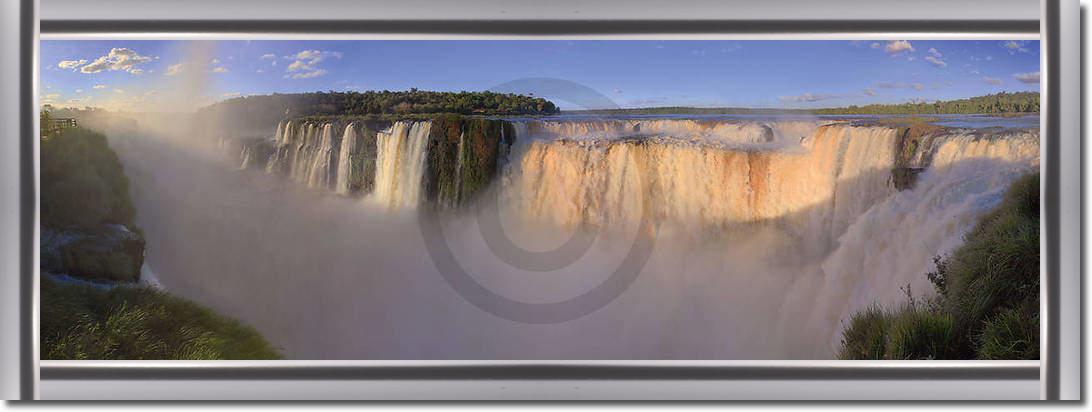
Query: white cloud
<point x="936" y="61"/>
<point x="1029" y="78"/>
<point x="99" y="86"/>
<point x="876" y="45"/>
<point x="137" y="72"/>
<point x="79" y="91"/>
<point x="918" y="86"/>
<point x="119" y="91"/>
<point x="898" y="46"/>
<point x="268" y="56"/>
<point x="174" y="69"/>
<point x="119" y="59"/>
<point x="1015" y="46"/>
<point x="935" y="53"/>
<point x="308" y="75"/>
<point x="71" y="64"/>
<point x="231" y="95"/>
<point x="617" y="91"/>
<point x="220" y="69"/>
<point x="992" y="80"/>
<point x="305" y="63"/>
<point x="297" y="66"/>
<point x="869" y="92"/>
<point x="214" y="62"/>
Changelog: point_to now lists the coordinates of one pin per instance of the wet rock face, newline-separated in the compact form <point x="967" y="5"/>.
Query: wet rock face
<point x="109" y="253"/>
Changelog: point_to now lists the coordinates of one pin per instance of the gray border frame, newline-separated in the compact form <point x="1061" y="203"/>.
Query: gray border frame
<point x="20" y="353"/>
<point x="946" y="371"/>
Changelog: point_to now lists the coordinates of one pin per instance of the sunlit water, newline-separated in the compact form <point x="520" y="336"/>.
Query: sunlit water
<point x="771" y="233"/>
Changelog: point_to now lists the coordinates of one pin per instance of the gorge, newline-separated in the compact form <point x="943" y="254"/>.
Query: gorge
<point x="770" y="232"/>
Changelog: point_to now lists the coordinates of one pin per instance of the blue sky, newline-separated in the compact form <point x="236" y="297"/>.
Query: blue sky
<point x="144" y="75"/>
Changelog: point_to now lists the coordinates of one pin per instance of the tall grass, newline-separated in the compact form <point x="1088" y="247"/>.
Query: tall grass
<point x="86" y="322"/>
<point x="987" y="295"/>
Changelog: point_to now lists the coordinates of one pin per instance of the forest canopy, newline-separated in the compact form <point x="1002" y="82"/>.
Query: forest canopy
<point x="269" y="109"/>
<point x="1004" y="102"/>
<point x="1020" y="102"/>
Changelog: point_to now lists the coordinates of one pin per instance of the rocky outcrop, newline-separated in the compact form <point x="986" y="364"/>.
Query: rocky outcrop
<point x="111" y="253"/>
<point x="463" y="156"/>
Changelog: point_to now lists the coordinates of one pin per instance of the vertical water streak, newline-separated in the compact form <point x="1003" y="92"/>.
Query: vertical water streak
<point x="345" y="158"/>
<point x="400" y="164"/>
<point x="320" y="171"/>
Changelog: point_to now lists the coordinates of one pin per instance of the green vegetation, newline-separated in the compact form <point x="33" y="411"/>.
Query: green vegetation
<point x="45" y="121"/>
<point x="85" y="196"/>
<point x="83" y="184"/>
<point x="1001" y="103"/>
<point x="462" y="156"/>
<point x="362" y="160"/>
<point x="1020" y="102"/>
<point x="914" y="133"/>
<point x="987" y="304"/>
<point x="690" y="110"/>
<point x="261" y="111"/>
<point x="85" y="322"/>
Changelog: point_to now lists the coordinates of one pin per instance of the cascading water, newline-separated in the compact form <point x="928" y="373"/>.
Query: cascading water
<point x="803" y="215"/>
<point x="349" y="140"/>
<point x="889" y="247"/>
<point x="323" y="168"/>
<point x="817" y="184"/>
<point x="307" y="153"/>
<point x="400" y="164"/>
<point x="712" y="132"/>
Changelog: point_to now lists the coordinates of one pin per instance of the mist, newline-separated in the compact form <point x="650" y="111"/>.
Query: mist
<point x="764" y="244"/>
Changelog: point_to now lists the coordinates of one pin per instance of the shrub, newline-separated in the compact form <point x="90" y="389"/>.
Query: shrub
<point x="1012" y="334"/>
<point x="917" y="333"/>
<point x="866" y="336"/>
<point x="83" y="184"/>
<point x="998" y="265"/>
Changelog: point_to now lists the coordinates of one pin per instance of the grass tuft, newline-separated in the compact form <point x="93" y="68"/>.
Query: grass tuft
<point x="866" y="336"/>
<point x="85" y="322"/>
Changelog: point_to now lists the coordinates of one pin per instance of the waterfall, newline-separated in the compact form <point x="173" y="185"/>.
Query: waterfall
<point x="307" y="153"/>
<point x="247" y="155"/>
<point x="772" y="233"/>
<point x="854" y="239"/>
<point x="891" y="245"/>
<point x="821" y="182"/>
<point x="278" y="162"/>
<point x="708" y="132"/>
<point x="349" y="141"/>
<point x="321" y="171"/>
<point x="400" y="164"/>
